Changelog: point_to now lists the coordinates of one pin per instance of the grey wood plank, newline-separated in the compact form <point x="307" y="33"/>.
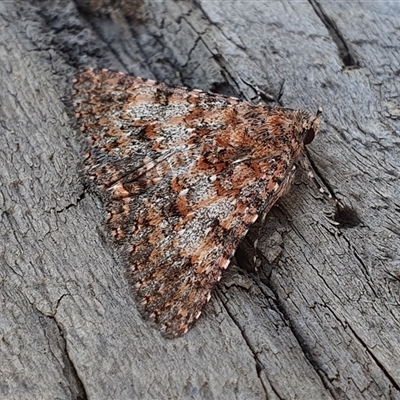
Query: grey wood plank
<point x="320" y="320"/>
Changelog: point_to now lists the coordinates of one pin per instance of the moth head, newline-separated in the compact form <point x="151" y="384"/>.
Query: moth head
<point x="311" y="127"/>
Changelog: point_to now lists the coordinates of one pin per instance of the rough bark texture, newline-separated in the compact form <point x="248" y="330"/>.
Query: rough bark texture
<point x="320" y="321"/>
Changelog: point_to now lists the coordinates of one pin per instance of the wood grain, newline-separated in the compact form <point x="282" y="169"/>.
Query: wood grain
<point x="320" y="321"/>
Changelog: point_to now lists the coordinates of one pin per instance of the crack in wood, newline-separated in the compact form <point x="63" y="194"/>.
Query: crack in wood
<point x="70" y="371"/>
<point x="345" y="51"/>
<point x="258" y="364"/>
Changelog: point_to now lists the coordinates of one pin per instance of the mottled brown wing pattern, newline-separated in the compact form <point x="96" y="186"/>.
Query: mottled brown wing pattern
<point x="184" y="173"/>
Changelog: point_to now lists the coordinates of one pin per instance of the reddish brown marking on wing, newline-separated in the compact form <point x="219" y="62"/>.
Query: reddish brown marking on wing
<point x="183" y="174"/>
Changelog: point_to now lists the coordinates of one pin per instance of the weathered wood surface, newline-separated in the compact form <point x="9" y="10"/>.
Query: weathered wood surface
<point x="321" y="321"/>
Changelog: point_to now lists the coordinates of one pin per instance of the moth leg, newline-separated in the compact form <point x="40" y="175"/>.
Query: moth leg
<point x="317" y="181"/>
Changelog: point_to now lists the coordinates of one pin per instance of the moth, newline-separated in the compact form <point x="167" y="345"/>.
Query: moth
<point x="183" y="174"/>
